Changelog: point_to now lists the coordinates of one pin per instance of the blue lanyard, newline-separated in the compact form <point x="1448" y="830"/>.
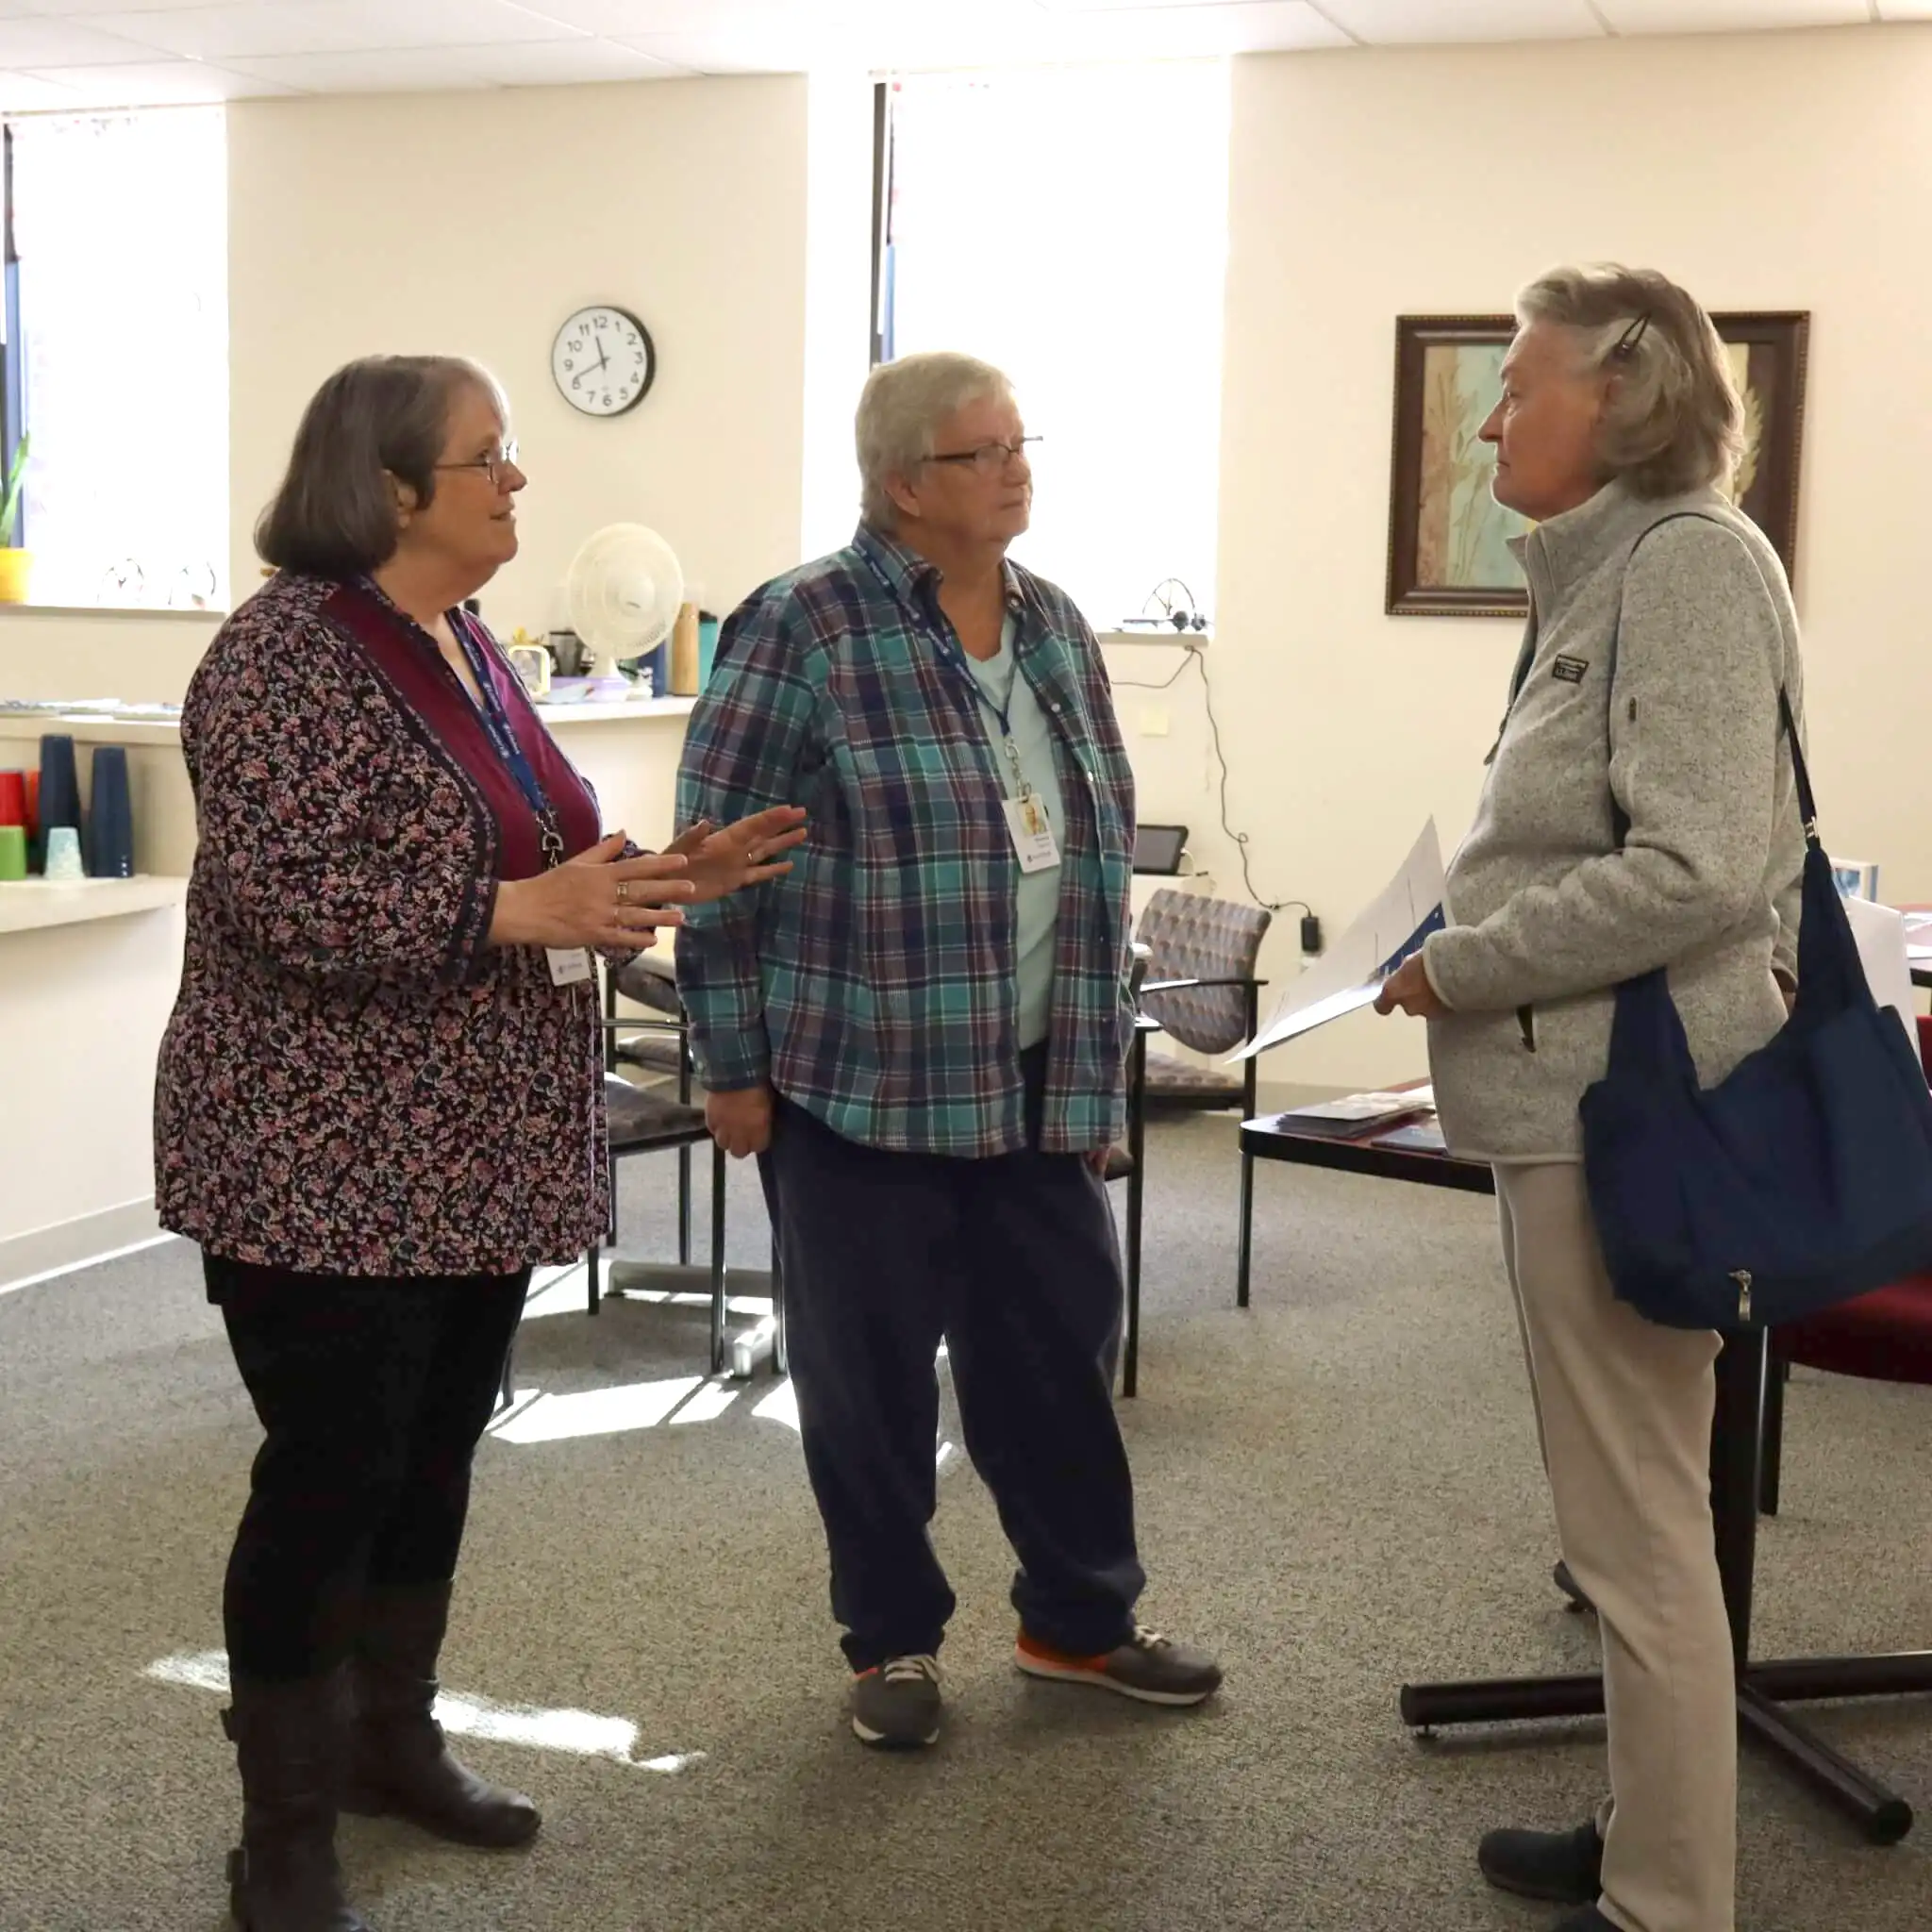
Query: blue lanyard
<point x="951" y="655"/>
<point x="503" y="740"/>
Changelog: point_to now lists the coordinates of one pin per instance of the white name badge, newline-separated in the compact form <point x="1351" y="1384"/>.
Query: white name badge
<point x="569" y="965"/>
<point x="1032" y="834"/>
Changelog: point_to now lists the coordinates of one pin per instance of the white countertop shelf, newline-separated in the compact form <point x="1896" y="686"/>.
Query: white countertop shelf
<point x="587" y="711"/>
<point x="109" y="728"/>
<point x="32" y="904"/>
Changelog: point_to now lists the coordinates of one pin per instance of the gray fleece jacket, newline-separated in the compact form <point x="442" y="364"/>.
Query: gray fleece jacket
<point x="1672" y="713"/>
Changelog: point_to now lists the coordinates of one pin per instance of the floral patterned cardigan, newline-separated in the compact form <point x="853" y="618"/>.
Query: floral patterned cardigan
<point x="353" y="1081"/>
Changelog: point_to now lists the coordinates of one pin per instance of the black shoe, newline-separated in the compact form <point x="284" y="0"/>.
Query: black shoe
<point x="896" y="1705"/>
<point x="289" y="1741"/>
<point x="1565" y="1867"/>
<point x="400" y="1764"/>
<point x="1568" y="1583"/>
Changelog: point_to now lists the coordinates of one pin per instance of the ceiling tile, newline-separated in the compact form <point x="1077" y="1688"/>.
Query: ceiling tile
<point x="716" y="53"/>
<point x="627" y="20"/>
<point x="894" y="34"/>
<point x="153" y="84"/>
<point x="28" y="93"/>
<point x="1378" y="22"/>
<point x="562" y="63"/>
<point x="417" y="71"/>
<point x="331" y="26"/>
<point x="31" y="44"/>
<point x="1199" y="25"/>
<point x="79" y="8"/>
<point x="1729" y="16"/>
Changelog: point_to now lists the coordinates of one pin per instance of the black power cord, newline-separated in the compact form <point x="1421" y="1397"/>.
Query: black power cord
<point x="1195" y="655"/>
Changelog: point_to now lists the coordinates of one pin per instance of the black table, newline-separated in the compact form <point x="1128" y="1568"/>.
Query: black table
<point x="1736" y="1449"/>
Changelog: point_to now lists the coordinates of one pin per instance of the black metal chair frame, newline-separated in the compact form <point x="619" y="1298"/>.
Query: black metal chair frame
<point x="1763" y="1686"/>
<point x="754" y="1282"/>
<point x="1251" y="989"/>
<point x="1737" y="1440"/>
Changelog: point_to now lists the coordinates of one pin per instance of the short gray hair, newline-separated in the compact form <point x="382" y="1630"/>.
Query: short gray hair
<point x="381" y="416"/>
<point x="902" y="405"/>
<point x="1673" y="421"/>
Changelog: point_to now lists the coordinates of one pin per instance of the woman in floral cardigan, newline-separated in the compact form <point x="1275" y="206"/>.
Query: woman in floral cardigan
<point x="380" y="1098"/>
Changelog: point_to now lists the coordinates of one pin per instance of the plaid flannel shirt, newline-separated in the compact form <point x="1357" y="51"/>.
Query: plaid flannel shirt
<point x="876" y="986"/>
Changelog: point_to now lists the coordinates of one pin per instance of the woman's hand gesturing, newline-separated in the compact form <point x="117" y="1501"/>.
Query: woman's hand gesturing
<point x="740" y="854"/>
<point x="595" y="899"/>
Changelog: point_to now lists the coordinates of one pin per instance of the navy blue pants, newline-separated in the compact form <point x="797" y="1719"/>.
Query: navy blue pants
<point x="1012" y="1261"/>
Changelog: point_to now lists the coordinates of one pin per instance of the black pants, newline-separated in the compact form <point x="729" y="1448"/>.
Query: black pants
<point x="373" y="1392"/>
<point x="1013" y="1260"/>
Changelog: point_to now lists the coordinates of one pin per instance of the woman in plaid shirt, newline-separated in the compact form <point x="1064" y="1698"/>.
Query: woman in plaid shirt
<point x="921" y="1033"/>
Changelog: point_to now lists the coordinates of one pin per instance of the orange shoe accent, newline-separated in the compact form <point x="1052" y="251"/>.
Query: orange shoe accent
<point x="1065" y="1660"/>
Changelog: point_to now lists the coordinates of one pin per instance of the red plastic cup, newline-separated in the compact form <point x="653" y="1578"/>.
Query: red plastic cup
<point x="12" y="798"/>
<point x="33" y="806"/>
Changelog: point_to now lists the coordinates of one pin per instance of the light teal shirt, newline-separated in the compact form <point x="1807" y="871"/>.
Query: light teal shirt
<point x="1038" y="892"/>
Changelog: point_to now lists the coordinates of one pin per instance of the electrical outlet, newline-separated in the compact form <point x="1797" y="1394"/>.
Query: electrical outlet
<point x="1153" y="721"/>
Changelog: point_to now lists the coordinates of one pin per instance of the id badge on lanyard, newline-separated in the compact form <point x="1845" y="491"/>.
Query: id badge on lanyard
<point x="1031" y="830"/>
<point x="1028" y="824"/>
<point x="569" y="965"/>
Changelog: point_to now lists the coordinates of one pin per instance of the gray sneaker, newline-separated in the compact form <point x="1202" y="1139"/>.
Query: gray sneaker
<point x="1148" y="1666"/>
<point x="896" y="1705"/>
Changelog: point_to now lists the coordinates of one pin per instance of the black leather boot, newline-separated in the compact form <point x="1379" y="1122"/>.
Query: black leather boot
<point x="399" y="1763"/>
<point x="289" y="1742"/>
<point x="1566" y="1867"/>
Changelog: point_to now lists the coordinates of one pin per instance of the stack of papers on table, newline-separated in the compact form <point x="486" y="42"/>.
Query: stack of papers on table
<point x="1359" y="1114"/>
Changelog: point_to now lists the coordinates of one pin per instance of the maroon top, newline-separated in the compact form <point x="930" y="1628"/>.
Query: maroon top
<point x="353" y="1081"/>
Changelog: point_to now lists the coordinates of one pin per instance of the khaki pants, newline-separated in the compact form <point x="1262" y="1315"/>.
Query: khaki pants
<point x="1624" y="1408"/>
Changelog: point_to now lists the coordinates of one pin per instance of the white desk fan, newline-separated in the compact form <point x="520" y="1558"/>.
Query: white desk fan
<point x="624" y="590"/>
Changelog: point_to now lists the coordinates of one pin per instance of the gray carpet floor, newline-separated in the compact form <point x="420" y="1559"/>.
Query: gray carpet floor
<point x="1337" y="1489"/>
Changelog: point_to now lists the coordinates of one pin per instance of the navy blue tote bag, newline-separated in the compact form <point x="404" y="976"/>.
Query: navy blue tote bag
<point x="1801" y="1179"/>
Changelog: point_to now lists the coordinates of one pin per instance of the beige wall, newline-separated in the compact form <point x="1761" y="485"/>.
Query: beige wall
<point x="1786" y="172"/>
<point x="475" y="223"/>
<point x="142" y="657"/>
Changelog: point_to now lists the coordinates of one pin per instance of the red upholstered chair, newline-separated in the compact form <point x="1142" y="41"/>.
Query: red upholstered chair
<point x="1885" y="1336"/>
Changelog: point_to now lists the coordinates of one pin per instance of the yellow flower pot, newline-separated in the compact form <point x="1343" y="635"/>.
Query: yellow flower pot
<point x="16" y="566"/>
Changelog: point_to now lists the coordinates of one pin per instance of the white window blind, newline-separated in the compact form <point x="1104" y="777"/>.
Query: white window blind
<point x="121" y="226"/>
<point x="1071" y="225"/>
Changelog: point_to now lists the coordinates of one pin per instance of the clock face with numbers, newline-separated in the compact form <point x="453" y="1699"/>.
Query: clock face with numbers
<point x="603" y="360"/>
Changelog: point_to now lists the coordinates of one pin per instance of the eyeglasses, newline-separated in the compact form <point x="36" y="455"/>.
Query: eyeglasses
<point x="1625" y="345"/>
<point x="493" y="465"/>
<point x="990" y="459"/>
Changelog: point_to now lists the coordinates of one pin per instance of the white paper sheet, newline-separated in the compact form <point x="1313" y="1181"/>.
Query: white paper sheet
<point x="1880" y="933"/>
<point x="1348" y="976"/>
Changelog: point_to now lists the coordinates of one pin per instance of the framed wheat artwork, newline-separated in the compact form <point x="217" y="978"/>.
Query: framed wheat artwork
<point x="1449" y="539"/>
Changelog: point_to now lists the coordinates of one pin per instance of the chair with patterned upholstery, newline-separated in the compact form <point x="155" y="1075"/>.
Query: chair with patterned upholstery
<point x="659" y="1045"/>
<point x="641" y="1121"/>
<point x="1200" y="989"/>
<point x="657" y="1042"/>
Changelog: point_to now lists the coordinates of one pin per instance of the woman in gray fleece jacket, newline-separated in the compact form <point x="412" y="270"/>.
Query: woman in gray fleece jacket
<point x="1645" y="704"/>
